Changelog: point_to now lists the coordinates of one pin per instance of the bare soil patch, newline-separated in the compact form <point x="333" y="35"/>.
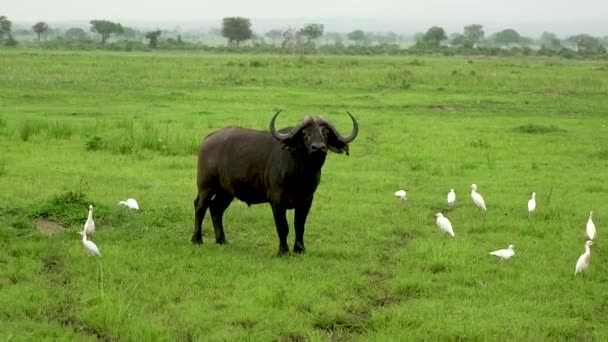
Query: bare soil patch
<point x="49" y="227"/>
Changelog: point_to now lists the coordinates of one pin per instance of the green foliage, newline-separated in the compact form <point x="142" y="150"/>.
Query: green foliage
<point x="67" y="208"/>
<point x="3" y="164"/>
<point x="236" y="29"/>
<point x="357" y="35"/>
<point x="461" y="40"/>
<point x="75" y="33"/>
<point x="5" y="28"/>
<point x="474" y="33"/>
<point x="506" y="37"/>
<point x="587" y="44"/>
<point x="274" y="34"/>
<point x="432" y="38"/>
<point x="152" y="37"/>
<point x="550" y="41"/>
<point x="95" y="143"/>
<point x="105" y="28"/>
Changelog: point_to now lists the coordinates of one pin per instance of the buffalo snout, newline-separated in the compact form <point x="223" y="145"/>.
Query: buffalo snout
<point x="318" y="147"/>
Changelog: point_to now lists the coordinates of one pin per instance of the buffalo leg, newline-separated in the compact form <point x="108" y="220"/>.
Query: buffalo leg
<point x="280" y="220"/>
<point x="218" y="205"/>
<point x="301" y="212"/>
<point x="200" y="208"/>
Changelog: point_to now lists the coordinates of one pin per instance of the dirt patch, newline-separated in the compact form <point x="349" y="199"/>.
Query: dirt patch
<point x="48" y="227"/>
<point x="443" y="108"/>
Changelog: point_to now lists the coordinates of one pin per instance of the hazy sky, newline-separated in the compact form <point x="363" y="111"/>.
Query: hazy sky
<point x="589" y="14"/>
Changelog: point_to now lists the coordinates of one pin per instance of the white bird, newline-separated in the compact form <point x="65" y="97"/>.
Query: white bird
<point x="451" y="197"/>
<point x="401" y="195"/>
<point x="477" y="199"/>
<point x="131" y="203"/>
<point x="583" y="261"/>
<point x="590" y="227"/>
<point x="89" y="246"/>
<point x="444" y="224"/>
<point x="89" y="226"/>
<point x="504" y="253"/>
<point x="532" y="203"/>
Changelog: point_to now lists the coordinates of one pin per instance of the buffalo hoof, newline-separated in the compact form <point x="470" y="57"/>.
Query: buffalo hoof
<point x="221" y="241"/>
<point x="197" y="240"/>
<point x="283" y="250"/>
<point x="299" y="248"/>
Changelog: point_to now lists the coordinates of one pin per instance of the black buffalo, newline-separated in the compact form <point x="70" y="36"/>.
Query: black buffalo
<point x="281" y="168"/>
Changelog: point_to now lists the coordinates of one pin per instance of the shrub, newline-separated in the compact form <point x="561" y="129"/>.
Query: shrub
<point x="95" y="143"/>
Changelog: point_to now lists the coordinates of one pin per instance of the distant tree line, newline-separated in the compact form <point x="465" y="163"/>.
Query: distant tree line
<point x="236" y="35"/>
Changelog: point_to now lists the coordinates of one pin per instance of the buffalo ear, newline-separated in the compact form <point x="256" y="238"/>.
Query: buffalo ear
<point x="335" y="144"/>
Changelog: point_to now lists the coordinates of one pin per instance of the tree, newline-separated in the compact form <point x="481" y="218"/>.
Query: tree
<point x="587" y="44"/>
<point x="130" y="33"/>
<point x="474" y="33"/>
<point x="274" y="34"/>
<point x="550" y="41"/>
<point x="75" y="33"/>
<point x="526" y="41"/>
<point x="432" y="38"/>
<point x="358" y="36"/>
<point x="236" y="29"/>
<point x="458" y="39"/>
<point x="288" y="34"/>
<point x="40" y="28"/>
<point x="105" y="28"/>
<point x="382" y="37"/>
<point x="311" y="32"/>
<point x="153" y="36"/>
<point x="5" y="28"/>
<point x="507" y="37"/>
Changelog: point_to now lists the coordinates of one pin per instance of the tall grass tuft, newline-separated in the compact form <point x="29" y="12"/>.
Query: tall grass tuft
<point x="2" y="122"/>
<point x="60" y="130"/>
<point x="28" y="128"/>
<point x="151" y="139"/>
<point x="399" y="79"/>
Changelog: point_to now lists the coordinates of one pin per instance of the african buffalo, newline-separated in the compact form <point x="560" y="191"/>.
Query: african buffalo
<point x="281" y="168"/>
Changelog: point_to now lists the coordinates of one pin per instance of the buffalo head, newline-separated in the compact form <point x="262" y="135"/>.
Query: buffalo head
<point x="314" y="135"/>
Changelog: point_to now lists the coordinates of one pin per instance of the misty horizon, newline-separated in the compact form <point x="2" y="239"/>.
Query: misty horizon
<point x="529" y="18"/>
<point x="346" y="24"/>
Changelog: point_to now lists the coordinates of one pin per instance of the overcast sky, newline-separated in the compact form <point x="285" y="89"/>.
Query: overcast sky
<point x="582" y="15"/>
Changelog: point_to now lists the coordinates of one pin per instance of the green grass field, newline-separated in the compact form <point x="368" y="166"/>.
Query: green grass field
<point x="96" y="128"/>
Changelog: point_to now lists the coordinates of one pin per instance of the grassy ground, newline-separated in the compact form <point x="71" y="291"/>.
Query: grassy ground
<point x="95" y="128"/>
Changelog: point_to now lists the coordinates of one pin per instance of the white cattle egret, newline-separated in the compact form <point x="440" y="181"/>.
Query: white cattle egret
<point x="532" y="203"/>
<point x="590" y="227"/>
<point x="477" y="199"/>
<point x="89" y="226"/>
<point x="583" y="261"/>
<point x="400" y="194"/>
<point x="504" y="253"/>
<point x="89" y="246"/>
<point x="131" y="203"/>
<point x="451" y="197"/>
<point x="444" y="224"/>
